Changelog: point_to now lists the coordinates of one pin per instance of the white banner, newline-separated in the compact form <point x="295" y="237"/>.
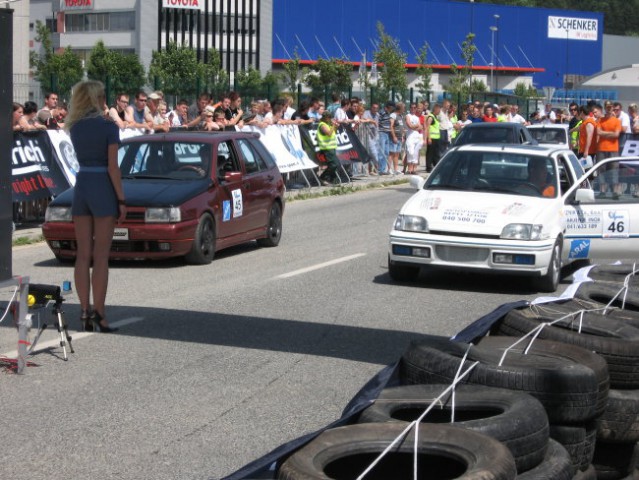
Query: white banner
<point x="285" y="144"/>
<point x="66" y="153"/>
<point x="570" y="28"/>
<point x="188" y="4"/>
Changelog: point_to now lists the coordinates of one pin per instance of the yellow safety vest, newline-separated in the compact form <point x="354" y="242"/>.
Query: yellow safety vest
<point x="326" y="142"/>
<point x="454" y="120"/>
<point x="574" y="136"/>
<point x="433" y="130"/>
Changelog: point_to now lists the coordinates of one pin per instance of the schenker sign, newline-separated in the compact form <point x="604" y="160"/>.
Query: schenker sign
<point x="573" y="28"/>
<point x="190" y="4"/>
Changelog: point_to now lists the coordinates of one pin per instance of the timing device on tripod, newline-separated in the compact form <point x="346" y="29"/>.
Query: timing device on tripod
<point x="43" y="296"/>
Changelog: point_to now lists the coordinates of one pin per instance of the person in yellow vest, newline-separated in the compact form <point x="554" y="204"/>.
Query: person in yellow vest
<point x="573" y="127"/>
<point x="327" y="144"/>
<point x="504" y="113"/>
<point x="432" y="138"/>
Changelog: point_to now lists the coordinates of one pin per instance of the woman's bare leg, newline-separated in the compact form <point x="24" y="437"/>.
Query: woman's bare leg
<point x="103" y="236"/>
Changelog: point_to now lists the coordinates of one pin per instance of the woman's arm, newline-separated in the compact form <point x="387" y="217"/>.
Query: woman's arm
<point x="116" y="179"/>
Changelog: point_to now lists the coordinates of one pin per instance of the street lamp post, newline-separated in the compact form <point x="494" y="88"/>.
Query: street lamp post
<point x="493" y="29"/>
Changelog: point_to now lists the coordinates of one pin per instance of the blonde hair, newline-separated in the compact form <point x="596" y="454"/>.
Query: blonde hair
<point x="87" y="100"/>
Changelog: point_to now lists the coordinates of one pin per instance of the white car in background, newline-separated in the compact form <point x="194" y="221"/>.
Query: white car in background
<point x="478" y="210"/>
<point x="551" y="134"/>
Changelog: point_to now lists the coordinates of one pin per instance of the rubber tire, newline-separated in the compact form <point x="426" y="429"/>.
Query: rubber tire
<point x="620" y="421"/>
<point x="615" y="273"/>
<point x="556" y="465"/>
<point x="578" y="440"/>
<point x="566" y="306"/>
<point x="588" y="474"/>
<point x="603" y="293"/>
<point x="571" y="383"/>
<point x="614" y="461"/>
<point x="274" y="228"/>
<point x="402" y="273"/>
<point x="452" y="452"/>
<point x="64" y="260"/>
<point x="516" y="419"/>
<point x="203" y="248"/>
<point x="613" y="339"/>
<point x="550" y="282"/>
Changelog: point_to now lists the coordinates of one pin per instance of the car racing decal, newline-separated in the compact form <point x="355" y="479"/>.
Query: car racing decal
<point x="586" y="219"/>
<point x="464" y="215"/>
<point x="579" y="248"/>
<point x="431" y="203"/>
<point x="238" y="206"/>
<point x="515" y="209"/>
<point x="226" y="210"/>
<point x="616" y="224"/>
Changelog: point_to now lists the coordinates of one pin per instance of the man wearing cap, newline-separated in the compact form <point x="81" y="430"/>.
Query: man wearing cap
<point x="152" y="105"/>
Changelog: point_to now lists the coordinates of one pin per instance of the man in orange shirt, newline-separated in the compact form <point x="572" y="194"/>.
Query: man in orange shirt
<point x="587" y="137"/>
<point x="608" y="131"/>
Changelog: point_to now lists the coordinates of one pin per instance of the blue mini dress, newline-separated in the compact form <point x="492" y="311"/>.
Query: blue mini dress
<point x="94" y="194"/>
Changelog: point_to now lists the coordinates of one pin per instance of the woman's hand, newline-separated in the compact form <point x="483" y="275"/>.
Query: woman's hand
<point x="122" y="210"/>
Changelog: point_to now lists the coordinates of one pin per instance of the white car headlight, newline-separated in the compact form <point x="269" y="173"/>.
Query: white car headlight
<point x="162" y="215"/>
<point x="522" y="231"/>
<point x="58" y="214"/>
<point x="411" y="223"/>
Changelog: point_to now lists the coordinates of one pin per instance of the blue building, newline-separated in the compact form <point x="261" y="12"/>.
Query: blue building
<point x="548" y="47"/>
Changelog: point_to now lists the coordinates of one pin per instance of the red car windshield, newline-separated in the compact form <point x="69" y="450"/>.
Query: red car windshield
<point x="174" y="160"/>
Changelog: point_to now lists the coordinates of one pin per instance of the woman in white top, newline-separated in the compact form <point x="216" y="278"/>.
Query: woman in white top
<point x="414" y="139"/>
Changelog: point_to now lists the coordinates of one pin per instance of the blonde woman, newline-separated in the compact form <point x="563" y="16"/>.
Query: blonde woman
<point x="98" y="199"/>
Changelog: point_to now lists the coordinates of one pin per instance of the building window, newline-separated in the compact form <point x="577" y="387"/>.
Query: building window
<point x="100" y="22"/>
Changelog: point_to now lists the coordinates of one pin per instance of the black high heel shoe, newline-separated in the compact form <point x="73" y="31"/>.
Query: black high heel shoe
<point x="96" y="318"/>
<point x="85" y="320"/>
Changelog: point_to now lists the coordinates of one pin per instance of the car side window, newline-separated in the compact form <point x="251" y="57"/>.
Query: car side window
<point x="565" y="179"/>
<point x="616" y="182"/>
<point x="252" y="161"/>
<point x="226" y="159"/>
<point x="264" y="154"/>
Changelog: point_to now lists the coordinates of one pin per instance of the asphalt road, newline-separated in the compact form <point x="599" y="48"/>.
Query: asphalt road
<point x="214" y="366"/>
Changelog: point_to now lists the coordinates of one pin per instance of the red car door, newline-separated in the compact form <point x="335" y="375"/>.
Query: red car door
<point x="231" y="202"/>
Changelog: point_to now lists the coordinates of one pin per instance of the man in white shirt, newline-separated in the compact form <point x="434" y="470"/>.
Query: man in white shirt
<point x="548" y="115"/>
<point x="623" y="117"/>
<point x="514" y="115"/>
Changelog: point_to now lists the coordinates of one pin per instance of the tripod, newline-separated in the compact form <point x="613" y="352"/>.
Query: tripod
<point x="61" y="325"/>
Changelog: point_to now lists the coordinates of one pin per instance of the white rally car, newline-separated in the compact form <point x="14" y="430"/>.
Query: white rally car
<point x="517" y="209"/>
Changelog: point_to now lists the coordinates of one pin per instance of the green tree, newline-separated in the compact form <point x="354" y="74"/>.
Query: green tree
<point x="119" y="72"/>
<point x="525" y="91"/>
<point x="392" y="75"/>
<point x="175" y="70"/>
<point x="271" y="84"/>
<point x="424" y="72"/>
<point x="55" y="71"/>
<point x="328" y="76"/>
<point x="249" y="83"/>
<point x="292" y="70"/>
<point x="212" y="78"/>
<point x="461" y="82"/>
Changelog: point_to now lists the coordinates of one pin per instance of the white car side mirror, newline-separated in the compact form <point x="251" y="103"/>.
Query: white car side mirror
<point x="417" y="182"/>
<point x="585" y="195"/>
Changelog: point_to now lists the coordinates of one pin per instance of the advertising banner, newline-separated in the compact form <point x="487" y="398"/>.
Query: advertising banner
<point x="36" y="171"/>
<point x="568" y="28"/>
<point x="285" y="144"/>
<point x="349" y="148"/>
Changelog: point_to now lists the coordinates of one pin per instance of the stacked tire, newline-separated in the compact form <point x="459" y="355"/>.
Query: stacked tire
<point x="594" y="320"/>
<point x="571" y="383"/>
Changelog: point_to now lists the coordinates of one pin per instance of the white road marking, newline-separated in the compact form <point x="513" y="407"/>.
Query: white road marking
<point x="74" y="336"/>
<point x="320" y="265"/>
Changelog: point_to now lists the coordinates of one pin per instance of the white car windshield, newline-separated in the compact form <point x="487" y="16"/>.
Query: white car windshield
<point x="496" y="172"/>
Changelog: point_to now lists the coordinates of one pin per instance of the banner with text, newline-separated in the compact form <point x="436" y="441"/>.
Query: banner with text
<point x="36" y="170"/>
<point x="349" y="147"/>
<point x="569" y="28"/>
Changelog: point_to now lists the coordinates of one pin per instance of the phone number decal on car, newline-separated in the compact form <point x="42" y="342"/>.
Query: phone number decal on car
<point x="464" y="215"/>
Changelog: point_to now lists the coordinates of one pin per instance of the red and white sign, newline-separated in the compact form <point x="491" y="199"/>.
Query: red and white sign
<point x="569" y="28"/>
<point x="66" y="5"/>
<point x="188" y="4"/>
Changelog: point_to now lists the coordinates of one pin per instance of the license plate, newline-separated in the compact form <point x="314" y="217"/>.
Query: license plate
<point x="121" y="234"/>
